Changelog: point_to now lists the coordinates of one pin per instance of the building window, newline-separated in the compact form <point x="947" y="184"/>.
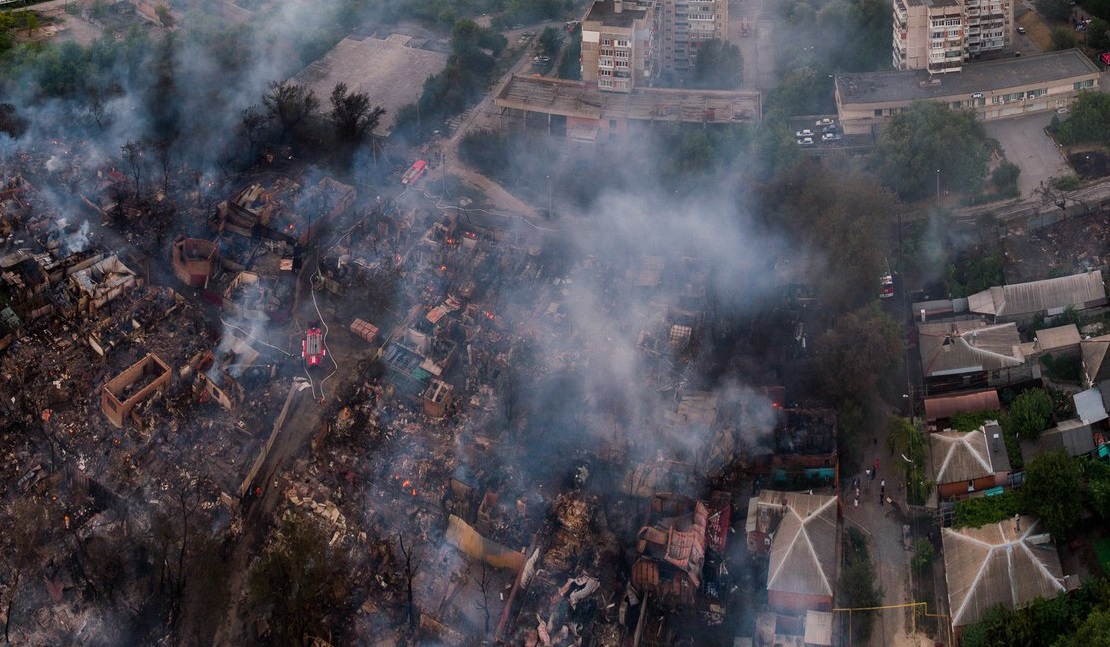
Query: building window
<point x="1033" y="94"/>
<point x="878" y="112"/>
<point x="1083" y="84"/>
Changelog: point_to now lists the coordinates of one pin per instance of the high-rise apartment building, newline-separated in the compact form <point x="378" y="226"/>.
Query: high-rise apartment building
<point x="686" y="25"/>
<point x="940" y="35"/>
<point x="619" y="44"/>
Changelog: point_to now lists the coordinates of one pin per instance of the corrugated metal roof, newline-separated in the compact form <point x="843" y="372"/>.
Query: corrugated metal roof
<point x="1094" y="352"/>
<point x="968" y="456"/>
<point x="1039" y="296"/>
<point x="1004" y="564"/>
<point x="1089" y="406"/>
<point x="952" y="348"/>
<point x="1058" y="337"/>
<point x="803" y="552"/>
<point x="949" y="405"/>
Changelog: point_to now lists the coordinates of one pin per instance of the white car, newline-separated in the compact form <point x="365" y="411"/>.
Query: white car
<point x="805" y="141"/>
<point x="831" y="137"/>
<point x="804" y="133"/>
<point x="825" y="122"/>
<point x="1021" y="30"/>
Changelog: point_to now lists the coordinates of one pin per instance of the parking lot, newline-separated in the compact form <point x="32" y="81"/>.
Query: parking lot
<point x="1025" y="143"/>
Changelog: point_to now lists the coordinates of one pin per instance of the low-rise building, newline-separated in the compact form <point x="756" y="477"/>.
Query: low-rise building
<point x="798" y="533"/>
<point x="965" y="355"/>
<point x="122" y="394"/>
<point x="968" y="462"/>
<point x="992" y="89"/>
<point x="1010" y="564"/>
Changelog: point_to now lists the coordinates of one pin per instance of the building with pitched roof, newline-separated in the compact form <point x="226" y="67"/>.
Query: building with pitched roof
<point x="1048" y="297"/>
<point x="1094" y="354"/>
<point x="799" y="534"/>
<point x="971" y="461"/>
<point x="939" y="409"/>
<point x="1009" y="564"/>
<point x="962" y="355"/>
<point x="1061" y="340"/>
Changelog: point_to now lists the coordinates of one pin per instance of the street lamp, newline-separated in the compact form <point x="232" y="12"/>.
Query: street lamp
<point x="938" y="187"/>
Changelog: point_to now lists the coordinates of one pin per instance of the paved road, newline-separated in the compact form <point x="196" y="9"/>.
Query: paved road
<point x="1025" y="143"/>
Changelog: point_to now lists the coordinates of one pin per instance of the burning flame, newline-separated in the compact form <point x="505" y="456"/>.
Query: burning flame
<point x="406" y="484"/>
<point x="489" y="315"/>
<point x="442" y="268"/>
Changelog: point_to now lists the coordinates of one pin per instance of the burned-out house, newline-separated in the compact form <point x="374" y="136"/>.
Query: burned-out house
<point x="120" y="396"/>
<point x="194" y="261"/>
<point x="681" y="551"/>
<point x="283" y="210"/>
<point x="804" y="450"/>
<point x="564" y="594"/>
<point x="423" y="351"/>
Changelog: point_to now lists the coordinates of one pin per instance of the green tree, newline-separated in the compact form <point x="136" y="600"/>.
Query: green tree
<point x="1051" y="492"/>
<point x="909" y="444"/>
<point x="848" y="372"/>
<point x="1030" y="414"/>
<point x="1063" y="38"/>
<point x="164" y="16"/>
<point x="858" y="589"/>
<point x="299" y="581"/>
<point x="549" y="41"/>
<point x="718" y="65"/>
<point x="928" y="137"/>
<point x="923" y="554"/>
<point x="835" y="216"/>
<point x="1095" y="630"/>
<point x="353" y="115"/>
<point x="1089" y="120"/>
<point x="1005" y="179"/>
<point x="1098" y="34"/>
<point x="1058" y="10"/>
<point x="1098" y="487"/>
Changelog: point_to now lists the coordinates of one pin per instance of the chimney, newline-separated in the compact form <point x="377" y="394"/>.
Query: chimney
<point x="618" y="6"/>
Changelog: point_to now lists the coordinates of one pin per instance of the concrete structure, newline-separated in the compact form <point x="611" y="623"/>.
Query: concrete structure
<point x="120" y="395"/>
<point x="585" y="114"/>
<point x="799" y="533"/>
<point x="391" y="71"/>
<point x="194" y="261"/>
<point x="929" y="35"/>
<point x="1010" y="563"/>
<point x="685" y="25"/>
<point x="619" y="45"/>
<point x="992" y="89"/>
<point x="940" y="35"/>
<point x="969" y="462"/>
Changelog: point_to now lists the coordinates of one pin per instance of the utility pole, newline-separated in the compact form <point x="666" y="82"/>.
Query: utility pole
<point x="938" y="188"/>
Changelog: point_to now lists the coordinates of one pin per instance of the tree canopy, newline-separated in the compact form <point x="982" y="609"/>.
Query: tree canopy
<point x="1089" y="120"/>
<point x="835" y="216"/>
<point x="718" y="66"/>
<point x="1051" y="492"/>
<point x="289" y="104"/>
<point x="853" y="355"/>
<point x="928" y="137"/>
<point x="1030" y="414"/>
<point x="352" y="114"/>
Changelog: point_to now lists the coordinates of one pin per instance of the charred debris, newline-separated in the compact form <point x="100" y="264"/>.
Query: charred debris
<point x="157" y="355"/>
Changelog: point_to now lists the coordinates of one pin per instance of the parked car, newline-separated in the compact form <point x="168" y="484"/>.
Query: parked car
<point x="1021" y="30"/>
<point x="831" y="137"/>
<point x="805" y="141"/>
<point x="825" y="122"/>
<point x="804" y="133"/>
<point x="831" y="129"/>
